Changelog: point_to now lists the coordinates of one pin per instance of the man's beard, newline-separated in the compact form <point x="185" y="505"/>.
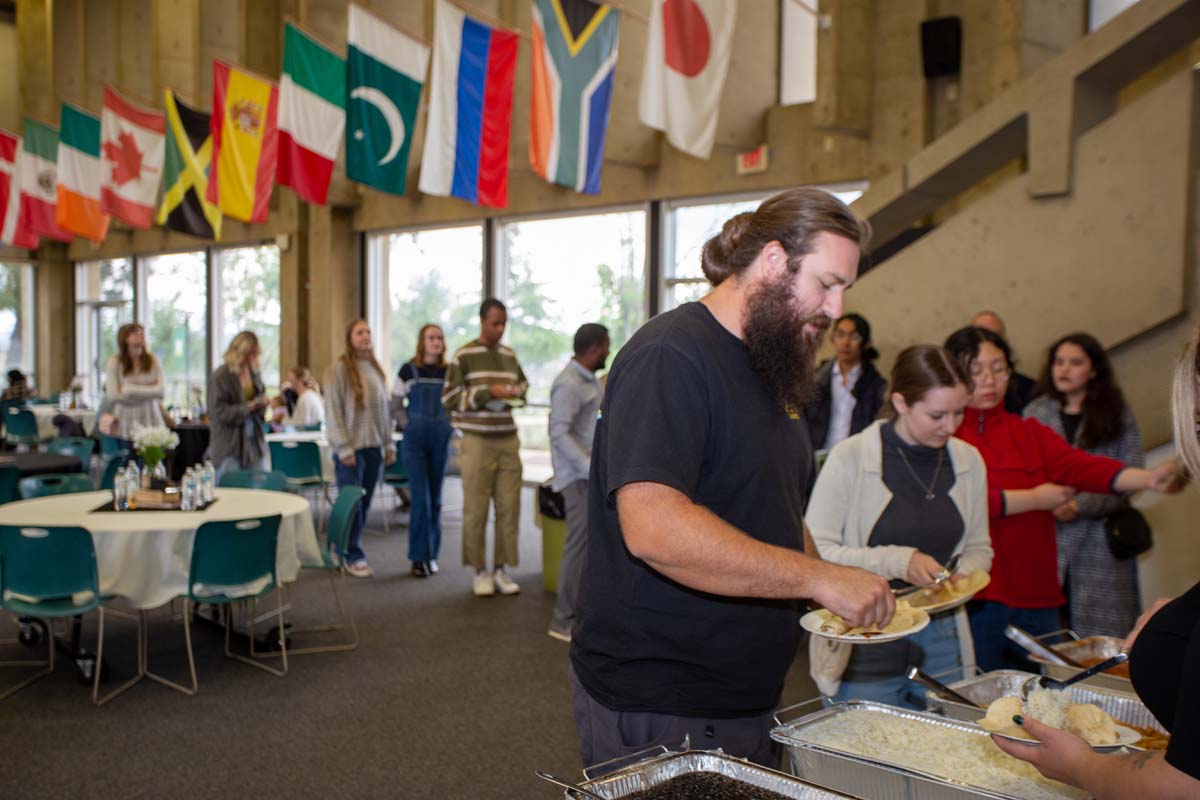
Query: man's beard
<point x="781" y="352"/>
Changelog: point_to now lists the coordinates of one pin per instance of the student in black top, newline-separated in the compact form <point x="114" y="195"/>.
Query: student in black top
<point x="849" y="390"/>
<point x="698" y="554"/>
<point x="1021" y="388"/>
<point x="1164" y="666"/>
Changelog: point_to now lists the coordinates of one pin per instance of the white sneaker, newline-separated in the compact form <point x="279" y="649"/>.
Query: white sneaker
<point x="483" y="585"/>
<point x="561" y="634"/>
<point x="505" y="584"/>
<point x="360" y="569"/>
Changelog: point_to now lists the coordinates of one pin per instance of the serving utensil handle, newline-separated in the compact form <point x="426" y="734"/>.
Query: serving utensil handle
<point x="1030" y="643"/>
<point x="937" y="687"/>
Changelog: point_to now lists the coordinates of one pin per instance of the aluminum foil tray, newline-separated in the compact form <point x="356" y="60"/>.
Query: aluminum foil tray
<point x="983" y="689"/>
<point x="660" y="769"/>
<point x="876" y="778"/>
<point x="1091" y="647"/>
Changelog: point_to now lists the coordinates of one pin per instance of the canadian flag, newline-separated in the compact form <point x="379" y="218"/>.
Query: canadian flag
<point x="11" y="230"/>
<point x="133" y="144"/>
<point x="687" y="57"/>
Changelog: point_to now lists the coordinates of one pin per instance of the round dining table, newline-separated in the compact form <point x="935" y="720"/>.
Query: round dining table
<point x="144" y="556"/>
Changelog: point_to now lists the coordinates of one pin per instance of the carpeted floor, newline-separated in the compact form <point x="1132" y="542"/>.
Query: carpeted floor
<point x="447" y="697"/>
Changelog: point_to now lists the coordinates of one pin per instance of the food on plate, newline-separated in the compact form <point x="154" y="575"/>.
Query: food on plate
<point x="1001" y="712"/>
<point x="1152" y="739"/>
<point x="956" y="588"/>
<point x="904" y="619"/>
<point x="1090" y="722"/>
<point x="1053" y="708"/>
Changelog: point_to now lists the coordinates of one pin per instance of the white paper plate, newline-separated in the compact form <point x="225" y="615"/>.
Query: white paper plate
<point x="1126" y="737"/>
<point x="813" y="620"/>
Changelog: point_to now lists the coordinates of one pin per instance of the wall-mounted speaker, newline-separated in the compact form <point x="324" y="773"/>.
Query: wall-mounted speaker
<point x="941" y="46"/>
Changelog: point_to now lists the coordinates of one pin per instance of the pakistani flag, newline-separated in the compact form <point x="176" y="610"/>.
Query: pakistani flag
<point x="385" y="69"/>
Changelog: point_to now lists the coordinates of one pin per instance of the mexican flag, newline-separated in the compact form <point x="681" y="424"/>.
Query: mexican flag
<point x="79" y="174"/>
<point x="385" y="69"/>
<point x="39" y="180"/>
<point x="312" y="114"/>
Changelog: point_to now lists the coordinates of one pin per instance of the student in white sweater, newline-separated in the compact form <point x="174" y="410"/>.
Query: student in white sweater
<point x="133" y="383"/>
<point x="309" y="409"/>
<point x="899" y="499"/>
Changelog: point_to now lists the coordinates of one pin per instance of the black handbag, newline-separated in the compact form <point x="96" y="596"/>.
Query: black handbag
<point x="1129" y="534"/>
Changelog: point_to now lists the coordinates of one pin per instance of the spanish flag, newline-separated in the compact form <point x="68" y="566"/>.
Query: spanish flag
<point x="245" y="142"/>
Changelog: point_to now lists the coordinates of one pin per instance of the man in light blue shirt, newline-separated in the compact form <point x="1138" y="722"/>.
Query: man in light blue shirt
<point x="574" y="402"/>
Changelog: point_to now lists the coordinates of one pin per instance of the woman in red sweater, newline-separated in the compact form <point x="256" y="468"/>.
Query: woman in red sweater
<point x="1031" y="471"/>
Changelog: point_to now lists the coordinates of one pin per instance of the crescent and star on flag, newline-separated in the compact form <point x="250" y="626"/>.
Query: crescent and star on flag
<point x="391" y="115"/>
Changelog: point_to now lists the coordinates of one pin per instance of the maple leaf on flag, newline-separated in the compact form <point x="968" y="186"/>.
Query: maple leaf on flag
<point x="125" y="158"/>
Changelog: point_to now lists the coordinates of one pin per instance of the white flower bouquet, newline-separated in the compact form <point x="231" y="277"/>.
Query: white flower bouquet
<point x="153" y="442"/>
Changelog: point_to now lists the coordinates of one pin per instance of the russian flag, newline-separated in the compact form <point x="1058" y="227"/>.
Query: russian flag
<point x="470" y="109"/>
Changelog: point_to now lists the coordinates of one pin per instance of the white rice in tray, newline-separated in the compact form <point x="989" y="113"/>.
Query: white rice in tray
<point x="934" y="749"/>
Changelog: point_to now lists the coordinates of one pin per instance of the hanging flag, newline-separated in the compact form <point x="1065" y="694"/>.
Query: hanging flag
<point x="38" y="169"/>
<point x="470" y="109"/>
<point x="574" y="57"/>
<point x="385" y="71"/>
<point x="11" y="231"/>
<point x="133" y="141"/>
<point x="312" y="114"/>
<point x="245" y="143"/>
<point x="687" y="57"/>
<point x="185" y="173"/>
<point x="79" y="172"/>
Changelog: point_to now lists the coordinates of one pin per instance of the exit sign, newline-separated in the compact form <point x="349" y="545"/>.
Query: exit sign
<point x="757" y="160"/>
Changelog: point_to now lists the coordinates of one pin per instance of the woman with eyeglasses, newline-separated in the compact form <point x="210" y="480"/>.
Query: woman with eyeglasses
<point x="1031" y="471"/>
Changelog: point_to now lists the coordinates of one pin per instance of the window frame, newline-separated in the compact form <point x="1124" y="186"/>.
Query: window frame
<point x="28" y="301"/>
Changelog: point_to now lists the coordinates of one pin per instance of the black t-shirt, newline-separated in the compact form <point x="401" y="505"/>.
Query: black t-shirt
<point x="1070" y="423"/>
<point x="1165" y="668"/>
<point x="684" y="408"/>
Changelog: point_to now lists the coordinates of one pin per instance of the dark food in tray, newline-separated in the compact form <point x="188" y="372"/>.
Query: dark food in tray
<point x="704" y="786"/>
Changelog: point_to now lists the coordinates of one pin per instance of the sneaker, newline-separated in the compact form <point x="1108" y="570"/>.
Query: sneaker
<point x="431" y="566"/>
<point x="360" y="569"/>
<point x="505" y="584"/>
<point x="418" y="570"/>
<point x="561" y="634"/>
<point x="483" y="586"/>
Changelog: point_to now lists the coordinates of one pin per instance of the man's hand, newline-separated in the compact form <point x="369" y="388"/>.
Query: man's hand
<point x="922" y="569"/>
<point x="1050" y="496"/>
<point x="1067" y="512"/>
<point x="861" y="598"/>
<point x="1062" y="756"/>
<point x="500" y="391"/>
<point x="1142" y="620"/>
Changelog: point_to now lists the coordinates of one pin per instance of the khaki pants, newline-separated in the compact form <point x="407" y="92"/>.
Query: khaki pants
<point x="491" y="470"/>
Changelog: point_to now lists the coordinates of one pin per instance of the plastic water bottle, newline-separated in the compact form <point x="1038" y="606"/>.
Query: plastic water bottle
<point x="208" y="482"/>
<point x="188" y="491"/>
<point x="133" y="482"/>
<point x="120" y="491"/>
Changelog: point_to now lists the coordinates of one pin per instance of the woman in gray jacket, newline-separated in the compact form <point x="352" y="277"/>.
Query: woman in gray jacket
<point x="236" y="399"/>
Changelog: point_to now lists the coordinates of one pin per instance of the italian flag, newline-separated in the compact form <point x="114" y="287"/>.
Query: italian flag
<point x="79" y="175"/>
<point x="39" y="180"/>
<point x="312" y="114"/>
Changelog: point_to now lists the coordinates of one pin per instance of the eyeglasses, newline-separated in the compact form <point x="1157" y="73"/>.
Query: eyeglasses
<point x="998" y="373"/>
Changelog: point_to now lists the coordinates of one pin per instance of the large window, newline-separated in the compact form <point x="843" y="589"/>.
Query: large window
<point x="688" y="225"/>
<point x="16" y="319"/>
<point x="417" y="277"/>
<point x="175" y="311"/>
<point x="556" y="274"/>
<point x="103" y="303"/>
<point x="246" y="297"/>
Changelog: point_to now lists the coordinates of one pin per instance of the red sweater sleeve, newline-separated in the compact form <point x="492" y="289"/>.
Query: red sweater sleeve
<point x="1069" y="466"/>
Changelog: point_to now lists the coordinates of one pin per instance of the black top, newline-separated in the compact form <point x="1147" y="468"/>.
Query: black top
<point x="684" y="408"/>
<point x="1019" y="393"/>
<point x="410" y="372"/>
<point x="1070" y="423"/>
<point x="868" y="393"/>
<point x="1165" y="668"/>
<point x="935" y="527"/>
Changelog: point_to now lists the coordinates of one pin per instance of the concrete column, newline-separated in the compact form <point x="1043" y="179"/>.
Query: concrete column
<point x="35" y="27"/>
<point x="333" y="254"/>
<point x="54" y="318"/>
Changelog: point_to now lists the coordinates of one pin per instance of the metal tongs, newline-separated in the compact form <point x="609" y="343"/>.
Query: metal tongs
<point x="949" y="569"/>
<point x="937" y="687"/>
<point x="1043" y="682"/>
<point x="1030" y="643"/>
<point x="573" y="787"/>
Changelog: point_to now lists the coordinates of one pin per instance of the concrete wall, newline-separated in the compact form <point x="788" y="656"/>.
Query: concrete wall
<point x="10" y="90"/>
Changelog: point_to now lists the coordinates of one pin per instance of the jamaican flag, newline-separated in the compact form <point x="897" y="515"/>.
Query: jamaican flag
<point x="185" y="173"/>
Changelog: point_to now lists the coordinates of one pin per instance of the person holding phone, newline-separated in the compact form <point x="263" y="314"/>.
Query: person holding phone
<point x="236" y="400"/>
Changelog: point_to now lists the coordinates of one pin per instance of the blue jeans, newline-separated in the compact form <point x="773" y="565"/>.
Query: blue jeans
<point x="364" y="473"/>
<point x="935" y="650"/>
<point x="993" y="650"/>
<point x="424" y="450"/>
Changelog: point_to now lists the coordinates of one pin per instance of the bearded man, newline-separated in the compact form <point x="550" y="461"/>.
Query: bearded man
<point x="698" y="557"/>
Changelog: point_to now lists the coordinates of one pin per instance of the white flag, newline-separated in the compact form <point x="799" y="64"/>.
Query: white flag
<point x="687" y="57"/>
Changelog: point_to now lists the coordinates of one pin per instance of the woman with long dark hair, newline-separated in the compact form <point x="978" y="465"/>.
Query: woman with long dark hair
<point x="426" y="438"/>
<point x="133" y="382"/>
<point x="1078" y="398"/>
<point x="358" y="424"/>
<point x="848" y="390"/>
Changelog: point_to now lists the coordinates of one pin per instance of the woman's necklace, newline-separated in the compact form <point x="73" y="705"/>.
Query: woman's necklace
<point x="929" y="494"/>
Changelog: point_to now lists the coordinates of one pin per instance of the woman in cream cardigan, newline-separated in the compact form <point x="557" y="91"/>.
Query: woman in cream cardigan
<point x="899" y="499"/>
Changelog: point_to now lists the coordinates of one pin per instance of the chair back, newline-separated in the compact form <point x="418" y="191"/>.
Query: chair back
<point x="232" y="553"/>
<point x="20" y="423"/>
<point x="78" y="446"/>
<point x="345" y="509"/>
<point x="316" y="426"/>
<point x="110" y="446"/>
<point x="395" y="473"/>
<point x="9" y="477"/>
<point x="48" y="563"/>
<point x="110" y="473"/>
<point x="296" y="460"/>
<point x="274" y="481"/>
<point x="46" y="485"/>
<point x="15" y="402"/>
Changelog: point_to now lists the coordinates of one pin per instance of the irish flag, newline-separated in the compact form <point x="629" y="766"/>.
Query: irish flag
<point x="39" y="180"/>
<point x="245" y="143"/>
<point x="79" y="173"/>
<point x="312" y="114"/>
<point x="133" y="143"/>
<point x="11" y="230"/>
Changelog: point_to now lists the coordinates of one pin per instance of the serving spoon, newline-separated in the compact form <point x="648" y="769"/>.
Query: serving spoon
<point x="1043" y="682"/>
<point x="574" y="787"/>
<point x="943" y="576"/>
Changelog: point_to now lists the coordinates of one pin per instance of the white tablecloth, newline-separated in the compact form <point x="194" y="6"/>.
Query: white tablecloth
<point x="45" y="419"/>
<point x="144" y="556"/>
<point x="327" y="469"/>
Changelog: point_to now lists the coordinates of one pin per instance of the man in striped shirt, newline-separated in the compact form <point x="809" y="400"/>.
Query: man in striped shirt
<point x="484" y="382"/>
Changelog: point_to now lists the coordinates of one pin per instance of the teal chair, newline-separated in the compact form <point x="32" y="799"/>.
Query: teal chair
<point x="79" y="446"/>
<point x="42" y="401"/>
<point x="110" y="473"/>
<point x="345" y="509"/>
<point x="316" y="426"/>
<point x="46" y="485"/>
<point x="111" y="447"/>
<point x="396" y="478"/>
<point x="50" y="573"/>
<point x="9" y="478"/>
<point x="301" y="463"/>
<point x="224" y="554"/>
<point x="253" y="479"/>
<point x="21" y="428"/>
